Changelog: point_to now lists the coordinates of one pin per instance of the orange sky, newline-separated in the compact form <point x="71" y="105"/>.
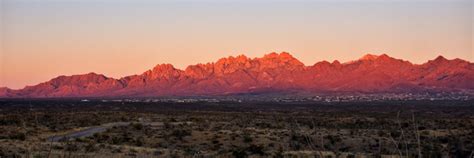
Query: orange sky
<point x="43" y="39"/>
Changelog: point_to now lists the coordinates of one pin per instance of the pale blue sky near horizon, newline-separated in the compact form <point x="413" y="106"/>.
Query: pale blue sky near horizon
<point x="41" y="39"/>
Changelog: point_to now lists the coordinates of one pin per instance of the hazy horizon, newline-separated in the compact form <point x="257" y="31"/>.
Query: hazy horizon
<point x="43" y="39"/>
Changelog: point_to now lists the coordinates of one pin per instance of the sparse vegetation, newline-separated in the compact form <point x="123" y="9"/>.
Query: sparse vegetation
<point x="249" y="129"/>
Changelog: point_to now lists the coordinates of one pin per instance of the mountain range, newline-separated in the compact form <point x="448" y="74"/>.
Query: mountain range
<point x="272" y="73"/>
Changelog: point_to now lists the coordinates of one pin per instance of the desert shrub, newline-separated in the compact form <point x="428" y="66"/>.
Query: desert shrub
<point x="18" y="136"/>
<point x="137" y="126"/>
<point x="90" y="147"/>
<point x="239" y="153"/>
<point x="247" y="138"/>
<point x="190" y="151"/>
<point x="71" y="147"/>
<point x="139" y="141"/>
<point x="279" y="153"/>
<point x="256" y="149"/>
<point x="180" y="133"/>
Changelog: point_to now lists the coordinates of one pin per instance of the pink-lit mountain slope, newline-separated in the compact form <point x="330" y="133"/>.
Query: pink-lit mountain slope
<point x="271" y="73"/>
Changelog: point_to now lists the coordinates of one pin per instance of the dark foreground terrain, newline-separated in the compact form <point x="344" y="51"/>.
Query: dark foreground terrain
<point x="68" y="128"/>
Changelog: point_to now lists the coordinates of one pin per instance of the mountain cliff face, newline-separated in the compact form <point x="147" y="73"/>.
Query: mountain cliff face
<point x="271" y="73"/>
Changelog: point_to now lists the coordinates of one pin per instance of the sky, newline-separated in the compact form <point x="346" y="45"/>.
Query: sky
<point x="42" y="39"/>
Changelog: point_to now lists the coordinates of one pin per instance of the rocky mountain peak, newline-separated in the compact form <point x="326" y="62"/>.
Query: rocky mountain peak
<point x="369" y="57"/>
<point x="162" y="71"/>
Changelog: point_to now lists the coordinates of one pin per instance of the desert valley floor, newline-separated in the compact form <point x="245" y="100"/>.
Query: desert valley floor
<point x="74" y="128"/>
